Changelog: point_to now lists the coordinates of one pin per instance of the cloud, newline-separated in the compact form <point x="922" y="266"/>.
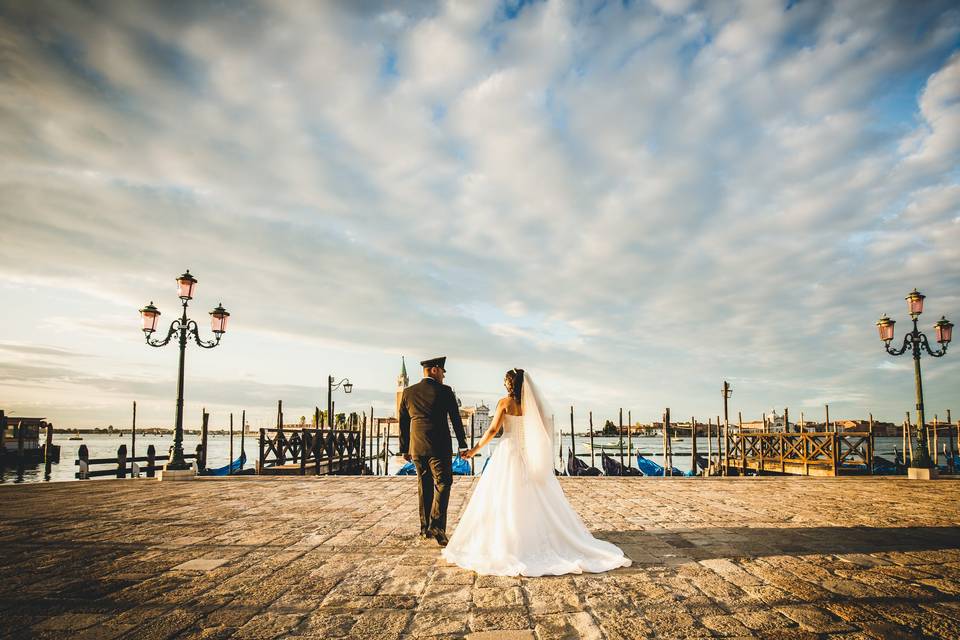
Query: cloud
<point x="638" y="200"/>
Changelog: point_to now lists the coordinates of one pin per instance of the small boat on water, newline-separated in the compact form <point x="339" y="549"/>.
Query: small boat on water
<point x="613" y="467"/>
<point x="231" y="469"/>
<point x="608" y="446"/>
<point x="577" y="467"/>
<point x="651" y="468"/>
<point x="884" y="467"/>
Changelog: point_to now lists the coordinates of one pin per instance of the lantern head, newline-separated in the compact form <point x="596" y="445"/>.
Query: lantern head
<point x="885" y="326"/>
<point x="149" y="315"/>
<point x="943" y="330"/>
<point x="218" y="319"/>
<point x="915" y="302"/>
<point x="185" y="285"/>
<point x="347" y="386"/>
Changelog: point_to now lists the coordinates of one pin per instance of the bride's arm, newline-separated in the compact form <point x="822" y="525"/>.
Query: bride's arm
<point x="491" y="432"/>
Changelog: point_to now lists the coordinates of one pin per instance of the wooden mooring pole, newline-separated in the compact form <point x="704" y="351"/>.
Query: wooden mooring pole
<point x="743" y="449"/>
<point x="953" y="451"/>
<point x="592" y="461"/>
<point x="620" y="433"/>
<point x="278" y="437"/>
<point x="936" y="428"/>
<point x="667" y="445"/>
<point x="720" y="450"/>
<point x="47" y="453"/>
<point x="903" y="443"/>
<point x="363" y="444"/>
<point x="204" y="426"/>
<point x="709" y="443"/>
<point x="693" y="445"/>
<point x="630" y="437"/>
<point x="133" y="432"/>
<point x="909" y="428"/>
<point x="573" y="437"/>
<point x="243" y="430"/>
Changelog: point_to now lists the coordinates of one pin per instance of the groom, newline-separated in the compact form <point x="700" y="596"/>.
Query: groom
<point x="425" y="440"/>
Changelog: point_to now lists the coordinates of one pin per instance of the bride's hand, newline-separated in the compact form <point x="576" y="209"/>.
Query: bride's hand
<point x="469" y="453"/>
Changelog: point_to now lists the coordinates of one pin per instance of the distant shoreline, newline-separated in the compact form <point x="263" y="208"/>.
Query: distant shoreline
<point x="148" y="431"/>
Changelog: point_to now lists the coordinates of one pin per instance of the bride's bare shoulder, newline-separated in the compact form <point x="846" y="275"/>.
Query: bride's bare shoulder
<point x="510" y="406"/>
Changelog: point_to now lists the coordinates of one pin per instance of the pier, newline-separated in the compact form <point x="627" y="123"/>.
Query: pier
<point x="337" y="557"/>
<point x="808" y="454"/>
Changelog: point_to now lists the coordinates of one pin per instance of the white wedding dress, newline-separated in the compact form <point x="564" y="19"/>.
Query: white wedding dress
<point x="518" y="521"/>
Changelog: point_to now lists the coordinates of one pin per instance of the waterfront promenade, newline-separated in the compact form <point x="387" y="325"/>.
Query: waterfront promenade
<point x="333" y="557"/>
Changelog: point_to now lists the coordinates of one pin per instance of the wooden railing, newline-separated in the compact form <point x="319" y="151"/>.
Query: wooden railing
<point x="122" y="466"/>
<point x="314" y="451"/>
<point x="813" y="453"/>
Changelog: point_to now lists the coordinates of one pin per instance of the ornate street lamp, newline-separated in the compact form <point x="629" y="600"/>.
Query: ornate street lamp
<point x="331" y="387"/>
<point x="186" y="328"/>
<point x="915" y="341"/>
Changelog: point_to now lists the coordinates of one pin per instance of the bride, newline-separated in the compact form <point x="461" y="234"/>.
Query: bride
<point x="518" y="521"/>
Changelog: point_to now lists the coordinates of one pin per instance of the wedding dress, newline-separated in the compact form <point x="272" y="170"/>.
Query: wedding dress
<point x="518" y="521"/>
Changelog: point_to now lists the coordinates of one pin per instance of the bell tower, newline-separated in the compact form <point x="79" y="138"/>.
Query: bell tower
<point x="402" y="383"/>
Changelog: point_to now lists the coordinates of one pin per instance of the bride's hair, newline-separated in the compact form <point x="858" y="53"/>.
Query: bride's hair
<point x="515" y="378"/>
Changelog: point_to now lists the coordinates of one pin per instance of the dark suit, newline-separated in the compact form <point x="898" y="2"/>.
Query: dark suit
<point x="425" y="435"/>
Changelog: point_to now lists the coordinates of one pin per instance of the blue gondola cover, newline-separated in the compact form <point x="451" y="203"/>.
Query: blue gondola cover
<point x="461" y="467"/>
<point x="229" y="469"/>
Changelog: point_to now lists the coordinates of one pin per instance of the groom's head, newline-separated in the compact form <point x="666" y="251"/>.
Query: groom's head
<point x="434" y="368"/>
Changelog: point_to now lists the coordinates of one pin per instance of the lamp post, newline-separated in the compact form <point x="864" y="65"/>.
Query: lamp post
<point x="331" y="387"/>
<point x="915" y="341"/>
<point x="184" y="328"/>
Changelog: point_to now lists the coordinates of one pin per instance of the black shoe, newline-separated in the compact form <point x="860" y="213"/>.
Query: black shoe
<point x="441" y="538"/>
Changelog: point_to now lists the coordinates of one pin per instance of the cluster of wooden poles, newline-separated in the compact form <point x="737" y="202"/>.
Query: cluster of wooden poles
<point x="715" y="436"/>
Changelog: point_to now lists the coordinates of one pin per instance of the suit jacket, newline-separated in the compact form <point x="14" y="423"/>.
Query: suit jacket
<point x="424" y="409"/>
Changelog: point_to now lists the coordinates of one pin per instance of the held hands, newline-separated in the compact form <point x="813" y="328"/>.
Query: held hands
<point x="468" y="453"/>
<point x="407" y="457"/>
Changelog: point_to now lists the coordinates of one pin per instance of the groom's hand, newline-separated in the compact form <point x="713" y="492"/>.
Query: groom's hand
<point x="464" y="453"/>
<point x="407" y="457"/>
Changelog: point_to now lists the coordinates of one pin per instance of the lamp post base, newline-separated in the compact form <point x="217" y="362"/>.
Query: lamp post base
<point x="920" y="473"/>
<point x="176" y="474"/>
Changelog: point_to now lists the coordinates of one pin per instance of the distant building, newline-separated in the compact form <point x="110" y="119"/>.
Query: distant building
<point x="403" y="381"/>
<point x="14" y="430"/>
<point x="481" y="419"/>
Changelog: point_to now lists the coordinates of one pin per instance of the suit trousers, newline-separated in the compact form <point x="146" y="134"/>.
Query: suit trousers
<point x="434" y="479"/>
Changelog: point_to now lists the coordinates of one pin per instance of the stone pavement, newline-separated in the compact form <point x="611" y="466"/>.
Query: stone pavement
<point x="337" y="557"/>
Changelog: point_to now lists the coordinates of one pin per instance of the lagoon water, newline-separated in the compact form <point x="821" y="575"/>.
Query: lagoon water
<point x="105" y="446"/>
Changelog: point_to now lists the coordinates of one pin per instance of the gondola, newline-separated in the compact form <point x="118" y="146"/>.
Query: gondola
<point x="884" y="467"/>
<point x="231" y="469"/>
<point x="460" y="466"/>
<point x="702" y="462"/>
<point x="651" y="468"/>
<point x="612" y="467"/>
<point x="577" y="467"/>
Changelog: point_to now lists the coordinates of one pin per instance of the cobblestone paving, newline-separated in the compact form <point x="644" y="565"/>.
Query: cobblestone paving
<point x="337" y="557"/>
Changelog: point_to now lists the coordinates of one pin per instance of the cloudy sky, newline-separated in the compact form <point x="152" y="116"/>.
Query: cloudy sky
<point x="633" y="201"/>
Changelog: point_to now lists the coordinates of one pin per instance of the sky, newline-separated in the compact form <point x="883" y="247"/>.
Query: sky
<point x="633" y="201"/>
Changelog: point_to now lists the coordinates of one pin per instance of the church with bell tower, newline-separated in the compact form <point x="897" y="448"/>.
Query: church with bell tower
<point x="402" y="383"/>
